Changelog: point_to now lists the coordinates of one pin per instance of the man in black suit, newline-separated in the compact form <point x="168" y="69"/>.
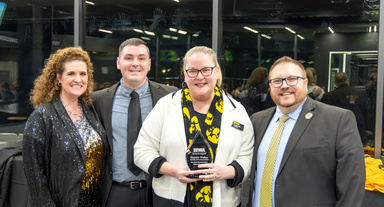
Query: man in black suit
<point x="122" y="186"/>
<point x="351" y="98"/>
<point x="318" y="159"/>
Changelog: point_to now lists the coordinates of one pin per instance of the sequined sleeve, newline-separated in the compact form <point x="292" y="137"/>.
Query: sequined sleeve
<point x="34" y="148"/>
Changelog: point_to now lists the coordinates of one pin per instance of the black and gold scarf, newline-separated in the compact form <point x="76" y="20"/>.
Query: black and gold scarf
<point x="199" y="194"/>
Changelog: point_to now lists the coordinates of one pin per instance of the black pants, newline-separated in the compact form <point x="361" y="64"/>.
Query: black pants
<point x="124" y="196"/>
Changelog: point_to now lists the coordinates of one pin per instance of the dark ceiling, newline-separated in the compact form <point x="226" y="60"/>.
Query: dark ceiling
<point x="305" y="16"/>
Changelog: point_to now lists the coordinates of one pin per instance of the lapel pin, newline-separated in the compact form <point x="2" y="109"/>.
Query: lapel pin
<point x="308" y="115"/>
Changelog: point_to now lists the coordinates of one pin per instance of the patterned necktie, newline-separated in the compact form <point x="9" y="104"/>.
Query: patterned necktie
<point x="133" y="128"/>
<point x="266" y="182"/>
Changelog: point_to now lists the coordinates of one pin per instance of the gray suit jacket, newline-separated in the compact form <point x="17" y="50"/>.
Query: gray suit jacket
<point x="103" y="104"/>
<point x="323" y="163"/>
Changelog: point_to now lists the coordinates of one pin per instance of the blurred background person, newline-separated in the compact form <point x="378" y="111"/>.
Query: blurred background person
<point x="348" y="97"/>
<point x="371" y="90"/>
<point x="64" y="142"/>
<point x="225" y="88"/>
<point x="237" y="89"/>
<point x="257" y="95"/>
<point x="8" y="105"/>
<point x="199" y="108"/>
<point x="314" y="91"/>
<point x="7" y="94"/>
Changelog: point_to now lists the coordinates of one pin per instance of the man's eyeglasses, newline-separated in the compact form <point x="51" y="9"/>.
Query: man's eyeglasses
<point x="291" y="81"/>
<point x="207" y="71"/>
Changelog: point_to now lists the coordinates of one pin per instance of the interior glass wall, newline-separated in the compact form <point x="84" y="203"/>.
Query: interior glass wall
<point x="29" y="32"/>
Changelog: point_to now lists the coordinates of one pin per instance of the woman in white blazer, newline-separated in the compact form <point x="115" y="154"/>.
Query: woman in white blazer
<point x="200" y="111"/>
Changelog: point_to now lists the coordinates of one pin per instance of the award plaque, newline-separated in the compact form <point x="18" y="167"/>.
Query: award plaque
<point x="199" y="152"/>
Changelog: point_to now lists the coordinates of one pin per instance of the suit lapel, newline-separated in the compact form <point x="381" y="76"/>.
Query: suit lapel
<point x="62" y="113"/>
<point x="107" y="111"/>
<point x="155" y="92"/>
<point x="263" y="126"/>
<point x="301" y="124"/>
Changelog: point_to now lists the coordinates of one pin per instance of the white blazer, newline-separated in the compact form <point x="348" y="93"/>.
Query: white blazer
<point x="162" y="134"/>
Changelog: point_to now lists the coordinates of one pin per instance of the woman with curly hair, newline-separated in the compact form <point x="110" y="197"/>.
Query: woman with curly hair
<point x="64" y="142"/>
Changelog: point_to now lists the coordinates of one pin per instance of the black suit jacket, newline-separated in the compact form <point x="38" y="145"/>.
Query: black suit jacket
<point x="323" y="163"/>
<point x="103" y="104"/>
<point x="351" y="98"/>
<point x="54" y="154"/>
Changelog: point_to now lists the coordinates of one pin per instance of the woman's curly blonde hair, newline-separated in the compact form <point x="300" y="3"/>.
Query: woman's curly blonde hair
<point x="46" y="86"/>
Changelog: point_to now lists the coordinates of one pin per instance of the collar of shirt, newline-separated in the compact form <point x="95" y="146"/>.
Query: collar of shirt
<point x="294" y="114"/>
<point x="127" y="91"/>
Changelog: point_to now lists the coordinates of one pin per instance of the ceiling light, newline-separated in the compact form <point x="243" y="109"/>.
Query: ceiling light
<point x="149" y="33"/>
<point x="289" y="29"/>
<point x="172" y="29"/>
<point x="138" y="30"/>
<point x="176" y="0"/>
<point x="266" y="36"/>
<point x="331" y="30"/>
<point x="301" y="37"/>
<point x="174" y="38"/>
<point x="195" y="35"/>
<point x="370" y="29"/>
<point x="167" y="36"/>
<point x="89" y="2"/>
<point x="182" y="32"/>
<point x="367" y="54"/>
<point x="105" y="31"/>
<point x="145" y="38"/>
<point x="375" y="28"/>
<point x="250" y="29"/>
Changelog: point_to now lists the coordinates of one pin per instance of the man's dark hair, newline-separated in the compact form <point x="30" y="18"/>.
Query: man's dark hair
<point x="133" y="41"/>
<point x="341" y="78"/>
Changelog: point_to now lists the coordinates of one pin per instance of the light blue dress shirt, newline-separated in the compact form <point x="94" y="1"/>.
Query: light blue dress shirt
<point x="263" y="148"/>
<point x="120" y="114"/>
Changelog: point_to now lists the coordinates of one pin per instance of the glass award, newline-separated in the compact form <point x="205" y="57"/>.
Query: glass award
<point x="199" y="152"/>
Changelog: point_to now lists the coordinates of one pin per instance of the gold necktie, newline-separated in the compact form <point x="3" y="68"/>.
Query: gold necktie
<point x="266" y="181"/>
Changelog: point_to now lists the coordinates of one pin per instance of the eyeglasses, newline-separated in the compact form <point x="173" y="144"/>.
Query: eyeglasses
<point x="291" y="81"/>
<point x="193" y="73"/>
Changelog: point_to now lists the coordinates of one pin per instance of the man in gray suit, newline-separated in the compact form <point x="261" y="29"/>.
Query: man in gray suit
<point x="319" y="159"/>
<point x="122" y="186"/>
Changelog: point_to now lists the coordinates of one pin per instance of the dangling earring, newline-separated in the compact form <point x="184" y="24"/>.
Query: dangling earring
<point x="59" y="84"/>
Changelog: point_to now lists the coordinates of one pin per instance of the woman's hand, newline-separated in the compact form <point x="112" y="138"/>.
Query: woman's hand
<point x="212" y="172"/>
<point x="181" y="174"/>
<point x="178" y="172"/>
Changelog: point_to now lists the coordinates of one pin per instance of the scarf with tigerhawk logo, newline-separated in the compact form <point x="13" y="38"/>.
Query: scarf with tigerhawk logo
<point x="199" y="194"/>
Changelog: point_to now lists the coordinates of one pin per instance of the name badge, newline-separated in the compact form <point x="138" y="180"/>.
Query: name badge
<point x="238" y="126"/>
